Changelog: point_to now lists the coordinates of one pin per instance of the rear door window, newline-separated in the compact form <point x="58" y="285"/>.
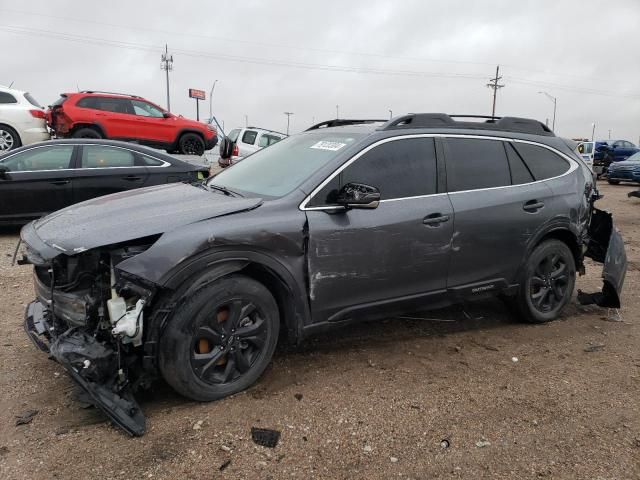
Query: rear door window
<point x="265" y="140"/>
<point x="542" y="162"/>
<point x="115" y="105"/>
<point x="249" y="137"/>
<point x="99" y="156"/>
<point x="474" y="163"/>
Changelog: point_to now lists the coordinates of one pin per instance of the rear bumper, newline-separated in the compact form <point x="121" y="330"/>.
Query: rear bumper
<point x="606" y="246"/>
<point x="34" y="135"/>
<point x="90" y="363"/>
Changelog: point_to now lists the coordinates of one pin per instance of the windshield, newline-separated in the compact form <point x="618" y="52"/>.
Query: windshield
<point x="279" y="169"/>
<point x="634" y="158"/>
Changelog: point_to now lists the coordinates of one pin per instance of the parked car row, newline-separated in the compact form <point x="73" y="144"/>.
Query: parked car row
<point x="92" y="114"/>
<point x="601" y="154"/>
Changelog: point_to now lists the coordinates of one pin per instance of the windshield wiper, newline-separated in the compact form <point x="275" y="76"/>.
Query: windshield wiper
<point x="223" y="189"/>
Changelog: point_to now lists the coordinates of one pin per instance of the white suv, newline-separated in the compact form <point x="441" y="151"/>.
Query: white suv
<point x="247" y="141"/>
<point x="22" y="120"/>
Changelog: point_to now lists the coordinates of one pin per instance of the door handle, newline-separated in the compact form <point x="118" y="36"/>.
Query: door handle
<point x="59" y="182"/>
<point x="132" y="178"/>
<point x="532" y="206"/>
<point x="435" y="219"/>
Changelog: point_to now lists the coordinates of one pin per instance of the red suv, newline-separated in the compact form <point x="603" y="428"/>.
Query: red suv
<point x="91" y="114"/>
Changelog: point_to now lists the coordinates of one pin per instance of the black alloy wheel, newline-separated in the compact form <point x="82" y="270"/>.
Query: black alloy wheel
<point x="229" y="344"/>
<point x="546" y="283"/>
<point x="221" y="338"/>
<point x="191" y="144"/>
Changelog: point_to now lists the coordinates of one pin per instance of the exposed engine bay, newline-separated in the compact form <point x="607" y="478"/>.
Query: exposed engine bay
<point x="91" y="320"/>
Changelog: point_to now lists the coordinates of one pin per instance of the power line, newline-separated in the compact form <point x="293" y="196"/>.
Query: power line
<point x="309" y="66"/>
<point x="493" y="84"/>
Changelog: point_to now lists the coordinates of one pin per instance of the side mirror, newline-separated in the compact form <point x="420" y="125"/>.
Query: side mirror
<point x="3" y="171"/>
<point x="358" y="195"/>
<point x="166" y="115"/>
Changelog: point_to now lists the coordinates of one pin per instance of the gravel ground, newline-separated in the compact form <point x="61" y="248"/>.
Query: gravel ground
<point x="371" y="401"/>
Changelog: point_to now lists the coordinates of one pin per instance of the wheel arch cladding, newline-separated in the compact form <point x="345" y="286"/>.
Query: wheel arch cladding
<point x="568" y="238"/>
<point x="269" y="272"/>
<point x="94" y="126"/>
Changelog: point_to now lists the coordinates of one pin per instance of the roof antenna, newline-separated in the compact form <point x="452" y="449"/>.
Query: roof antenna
<point x="11" y="83"/>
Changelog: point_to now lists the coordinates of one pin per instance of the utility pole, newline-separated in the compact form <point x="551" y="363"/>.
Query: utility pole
<point x="493" y="84"/>
<point x="211" y="100"/>
<point x="288" y="114"/>
<point x="166" y="64"/>
<point x="609" y="134"/>
<point x="593" y="131"/>
<point x="246" y="120"/>
<point x="337" y="112"/>
<point x="555" y="104"/>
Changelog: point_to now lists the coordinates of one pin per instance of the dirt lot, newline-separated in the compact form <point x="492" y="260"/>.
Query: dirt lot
<point x="373" y="401"/>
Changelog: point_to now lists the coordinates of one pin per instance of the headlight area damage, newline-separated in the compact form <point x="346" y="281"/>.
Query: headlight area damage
<point x="605" y="245"/>
<point x="90" y="318"/>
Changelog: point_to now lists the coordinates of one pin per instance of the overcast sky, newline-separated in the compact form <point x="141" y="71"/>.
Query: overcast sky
<point x="368" y="57"/>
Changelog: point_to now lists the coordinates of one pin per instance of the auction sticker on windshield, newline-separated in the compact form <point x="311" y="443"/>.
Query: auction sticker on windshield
<point x="324" y="145"/>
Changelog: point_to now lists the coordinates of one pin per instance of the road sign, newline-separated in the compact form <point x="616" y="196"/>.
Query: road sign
<point x="197" y="94"/>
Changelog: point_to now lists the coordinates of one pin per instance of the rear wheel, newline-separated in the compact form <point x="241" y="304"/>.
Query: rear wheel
<point x="86" y="132"/>
<point x="613" y="182"/>
<point x="547" y="282"/>
<point x="9" y="139"/>
<point x="191" y="144"/>
<point x="221" y="340"/>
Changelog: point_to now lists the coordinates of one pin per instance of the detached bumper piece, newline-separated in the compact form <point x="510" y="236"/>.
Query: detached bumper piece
<point x="606" y="246"/>
<point x="634" y="193"/>
<point x="92" y="364"/>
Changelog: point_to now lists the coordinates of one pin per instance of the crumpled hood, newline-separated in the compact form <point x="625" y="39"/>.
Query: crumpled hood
<point x="134" y="214"/>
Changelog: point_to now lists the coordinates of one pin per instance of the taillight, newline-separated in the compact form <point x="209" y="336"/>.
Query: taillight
<point x="37" y="113"/>
<point x="236" y="150"/>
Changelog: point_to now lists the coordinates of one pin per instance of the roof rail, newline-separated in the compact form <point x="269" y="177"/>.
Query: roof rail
<point x="341" y="122"/>
<point x="442" y="120"/>
<point x="268" y="130"/>
<point x="110" y="93"/>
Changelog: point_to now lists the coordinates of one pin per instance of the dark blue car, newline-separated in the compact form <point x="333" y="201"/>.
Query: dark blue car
<point x="604" y="152"/>
<point x="625" y="171"/>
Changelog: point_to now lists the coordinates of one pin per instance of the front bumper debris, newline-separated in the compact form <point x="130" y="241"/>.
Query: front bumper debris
<point x="606" y="246"/>
<point x="92" y="364"/>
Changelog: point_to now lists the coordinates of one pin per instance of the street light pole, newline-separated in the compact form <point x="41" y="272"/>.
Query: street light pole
<point x="211" y="100"/>
<point x="337" y="112"/>
<point x="555" y="102"/>
<point x="246" y="120"/>
<point x="593" y="132"/>
<point x="390" y="114"/>
<point x="288" y="114"/>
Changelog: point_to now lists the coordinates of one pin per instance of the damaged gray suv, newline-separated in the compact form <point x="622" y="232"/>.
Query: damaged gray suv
<point x="197" y="283"/>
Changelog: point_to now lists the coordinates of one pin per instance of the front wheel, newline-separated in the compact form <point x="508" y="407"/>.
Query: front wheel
<point x="547" y="282"/>
<point x="191" y="144"/>
<point x="220" y="340"/>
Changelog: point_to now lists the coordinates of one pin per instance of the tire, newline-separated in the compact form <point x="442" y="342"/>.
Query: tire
<point x="558" y="283"/>
<point x="226" y="148"/>
<point x="9" y="139"/>
<point x="613" y="182"/>
<point x="203" y="356"/>
<point x="86" y="132"/>
<point x="191" y="144"/>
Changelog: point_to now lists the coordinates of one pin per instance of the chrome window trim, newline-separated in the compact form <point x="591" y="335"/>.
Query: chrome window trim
<point x="573" y="165"/>
<point x="8" y="155"/>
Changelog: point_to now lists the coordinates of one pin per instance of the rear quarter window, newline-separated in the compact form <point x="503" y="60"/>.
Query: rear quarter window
<point x="32" y="100"/>
<point x="542" y="162"/>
